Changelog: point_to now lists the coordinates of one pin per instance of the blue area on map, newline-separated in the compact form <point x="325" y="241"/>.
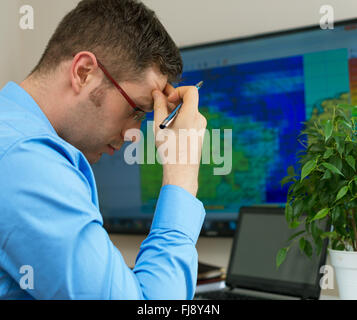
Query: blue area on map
<point x="270" y="93"/>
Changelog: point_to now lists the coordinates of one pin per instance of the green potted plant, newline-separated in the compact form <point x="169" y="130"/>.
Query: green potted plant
<point x="325" y="190"/>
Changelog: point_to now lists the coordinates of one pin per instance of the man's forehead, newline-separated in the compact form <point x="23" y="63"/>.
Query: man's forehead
<point x="154" y="80"/>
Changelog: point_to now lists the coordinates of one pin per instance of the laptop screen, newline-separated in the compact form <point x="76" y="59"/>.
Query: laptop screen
<point x="261" y="232"/>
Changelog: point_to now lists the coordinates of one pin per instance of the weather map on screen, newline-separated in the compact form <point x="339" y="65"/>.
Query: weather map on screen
<point x="263" y="89"/>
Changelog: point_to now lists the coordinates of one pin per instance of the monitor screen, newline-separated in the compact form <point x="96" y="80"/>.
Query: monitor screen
<point x="260" y="237"/>
<point x="260" y="88"/>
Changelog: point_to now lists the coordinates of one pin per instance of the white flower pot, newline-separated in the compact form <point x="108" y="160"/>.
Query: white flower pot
<point x="345" y="265"/>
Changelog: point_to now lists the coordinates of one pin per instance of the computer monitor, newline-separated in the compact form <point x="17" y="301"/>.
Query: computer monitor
<point x="262" y="88"/>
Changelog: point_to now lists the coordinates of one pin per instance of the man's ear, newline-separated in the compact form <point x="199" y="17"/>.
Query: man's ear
<point x="83" y="69"/>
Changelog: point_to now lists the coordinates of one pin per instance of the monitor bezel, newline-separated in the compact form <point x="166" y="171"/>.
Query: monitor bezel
<point x="289" y="288"/>
<point x="264" y="35"/>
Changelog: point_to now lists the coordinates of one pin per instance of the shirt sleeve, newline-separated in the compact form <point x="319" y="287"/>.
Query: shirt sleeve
<point x="50" y="223"/>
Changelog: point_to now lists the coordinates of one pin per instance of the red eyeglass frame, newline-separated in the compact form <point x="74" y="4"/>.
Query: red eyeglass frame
<point x="131" y="102"/>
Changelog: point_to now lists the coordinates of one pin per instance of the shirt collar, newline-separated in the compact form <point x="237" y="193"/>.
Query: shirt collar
<point x="18" y="95"/>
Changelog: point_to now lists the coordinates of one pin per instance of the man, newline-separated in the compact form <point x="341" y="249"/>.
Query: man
<point x="107" y="64"/>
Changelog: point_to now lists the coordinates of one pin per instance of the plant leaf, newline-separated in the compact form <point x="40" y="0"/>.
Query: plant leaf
<point x="351" y="161"/>
<point x="328" y="129"/>
<point x="308" y="248"/>
<point x="327" y="175"/>
<point x="280" y="257"/>
<point x="288" y="213"/>
<point x="329" y="234"/>
<point x="302" y="244"/>
<point x="332" y="168"/>
<point x="336" y="161"/>
<point x="328" y="153"/>
<point x="307" y="168"/>
<point x="294" y="224"/>
<point x="336" y="214"/>
<point x="349" y="147"/>
<point x="345" y="124"/>
<point x="291" y="171"/>
<point x="296" y="234"/>
<point x="318" y="245"/>
<point x="315" y="231"/>
<point x="285" y="180"/>
<point x="340" y="145"/>
<point x="321" y="214"/>
<point x="342" y="192"/>
<point x="298" y="207"/>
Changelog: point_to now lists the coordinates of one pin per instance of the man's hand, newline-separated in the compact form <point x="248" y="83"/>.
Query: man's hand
<point x="177" y="171"/>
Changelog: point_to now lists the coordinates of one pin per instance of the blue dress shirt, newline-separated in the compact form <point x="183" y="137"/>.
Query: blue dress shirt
<point x="50" y="222"/>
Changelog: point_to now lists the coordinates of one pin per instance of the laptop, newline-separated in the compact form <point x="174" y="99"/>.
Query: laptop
<point x="252" y="273"/>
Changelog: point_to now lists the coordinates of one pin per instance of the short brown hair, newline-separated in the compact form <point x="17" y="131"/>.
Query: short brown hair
<point x="125" y="35"/>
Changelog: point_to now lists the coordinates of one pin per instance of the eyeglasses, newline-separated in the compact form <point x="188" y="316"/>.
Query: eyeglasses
<point x="140" y="115"/>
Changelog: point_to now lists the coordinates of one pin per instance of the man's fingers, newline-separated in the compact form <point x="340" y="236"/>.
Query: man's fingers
<point x="160" y="106"/>
<point x="173" y="96"/>
<point x="163" y="105"/>
<point x="190" y="98"/>
<point x="169" y="91"/>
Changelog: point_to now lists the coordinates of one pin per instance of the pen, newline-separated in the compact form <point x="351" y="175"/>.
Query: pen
<point x="173" y="114"/>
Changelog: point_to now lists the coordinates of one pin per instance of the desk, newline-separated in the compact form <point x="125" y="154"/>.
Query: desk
<point x="221" y="247"/>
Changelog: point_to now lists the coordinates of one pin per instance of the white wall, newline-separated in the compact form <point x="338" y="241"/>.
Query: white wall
<point x="22" y="49"/>
<point x="10" y="53"/>
<point x="188" y="21"/>
<point x="200" y="21"/>
<point x="48" y="14"/>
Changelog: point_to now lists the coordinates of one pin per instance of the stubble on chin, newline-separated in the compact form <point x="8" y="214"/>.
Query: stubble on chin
<point x="94" y="158"/>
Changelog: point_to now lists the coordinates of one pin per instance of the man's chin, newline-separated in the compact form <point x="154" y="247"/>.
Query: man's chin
<point x="93" y="158"/>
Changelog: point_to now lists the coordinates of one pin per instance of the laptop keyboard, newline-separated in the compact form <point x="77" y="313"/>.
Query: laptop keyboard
<point x="225" y="295"/>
